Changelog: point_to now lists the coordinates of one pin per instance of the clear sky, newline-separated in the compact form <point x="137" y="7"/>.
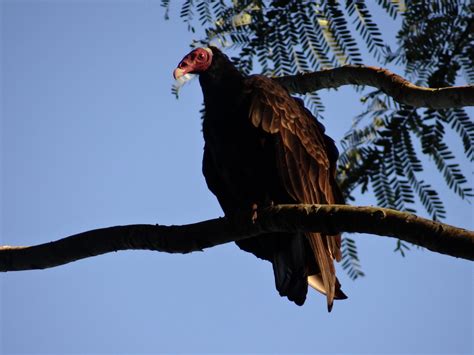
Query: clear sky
<point x="92" y="137"/>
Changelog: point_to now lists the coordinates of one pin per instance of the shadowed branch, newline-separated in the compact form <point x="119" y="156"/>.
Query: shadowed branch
<point x="400" y="89"/>
<point x="330" y="219"/>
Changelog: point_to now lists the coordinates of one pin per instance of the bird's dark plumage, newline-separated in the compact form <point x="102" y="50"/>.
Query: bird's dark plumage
<point x="262" y="146"/>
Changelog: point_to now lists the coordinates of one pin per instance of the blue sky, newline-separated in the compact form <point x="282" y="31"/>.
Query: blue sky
<point x="92" y="137"/>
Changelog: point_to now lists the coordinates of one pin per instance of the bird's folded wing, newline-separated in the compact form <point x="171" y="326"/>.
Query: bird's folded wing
<point x="306" y="163"/>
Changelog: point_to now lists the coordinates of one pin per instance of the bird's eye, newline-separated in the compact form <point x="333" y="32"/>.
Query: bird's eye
<point x="200" y="56"/>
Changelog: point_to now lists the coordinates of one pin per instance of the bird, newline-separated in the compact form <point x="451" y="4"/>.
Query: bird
<point x="263" y="147"/>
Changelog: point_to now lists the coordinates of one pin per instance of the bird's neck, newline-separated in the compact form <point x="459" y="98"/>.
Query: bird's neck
<point x="221" y="82"/>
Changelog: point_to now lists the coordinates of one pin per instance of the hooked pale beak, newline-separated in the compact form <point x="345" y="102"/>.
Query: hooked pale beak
<point x="178" y="73"/>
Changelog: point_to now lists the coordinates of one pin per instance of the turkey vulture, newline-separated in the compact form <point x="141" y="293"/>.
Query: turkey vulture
<point x="262" y="146"/>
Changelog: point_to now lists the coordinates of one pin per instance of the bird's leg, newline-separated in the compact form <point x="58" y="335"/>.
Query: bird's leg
<point x="255" y="208"/>
<point x="254" y="213"/>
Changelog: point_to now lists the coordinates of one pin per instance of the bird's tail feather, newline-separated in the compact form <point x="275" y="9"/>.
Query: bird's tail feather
<point x="326" y="265"/>
<point x="289" y="267"/>
<point x="316" y="282"/>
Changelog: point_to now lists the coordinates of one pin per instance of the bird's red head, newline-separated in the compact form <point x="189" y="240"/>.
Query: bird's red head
<point x="197" y="61"/>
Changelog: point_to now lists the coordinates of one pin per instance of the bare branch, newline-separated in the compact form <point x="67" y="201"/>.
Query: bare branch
<point x="398" y="88"/>
<point x="329" y="219"/>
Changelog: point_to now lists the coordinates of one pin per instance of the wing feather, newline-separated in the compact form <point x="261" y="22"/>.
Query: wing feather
<point x="306" y="164"/>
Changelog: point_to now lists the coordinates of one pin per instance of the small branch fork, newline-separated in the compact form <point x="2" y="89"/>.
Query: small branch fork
<point x="329" y="219"/>
<point x="400" y="89"/>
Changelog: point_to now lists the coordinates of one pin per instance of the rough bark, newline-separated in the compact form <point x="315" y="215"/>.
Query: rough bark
<point x="400" y="89"/>
<point x="330" y="219"/>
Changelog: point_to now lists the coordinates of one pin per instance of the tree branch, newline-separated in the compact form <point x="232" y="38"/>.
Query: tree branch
<point x="398" y="88"/>
<point x="329" y="219"/>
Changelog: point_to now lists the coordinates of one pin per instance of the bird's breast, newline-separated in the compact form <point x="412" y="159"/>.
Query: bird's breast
<point x="242" y="158"/>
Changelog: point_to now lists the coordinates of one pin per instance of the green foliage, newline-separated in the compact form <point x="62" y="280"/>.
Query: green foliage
<point x="350" y="258"/>
<point x="435" y="46"/>
<point x="383" y="148"/>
